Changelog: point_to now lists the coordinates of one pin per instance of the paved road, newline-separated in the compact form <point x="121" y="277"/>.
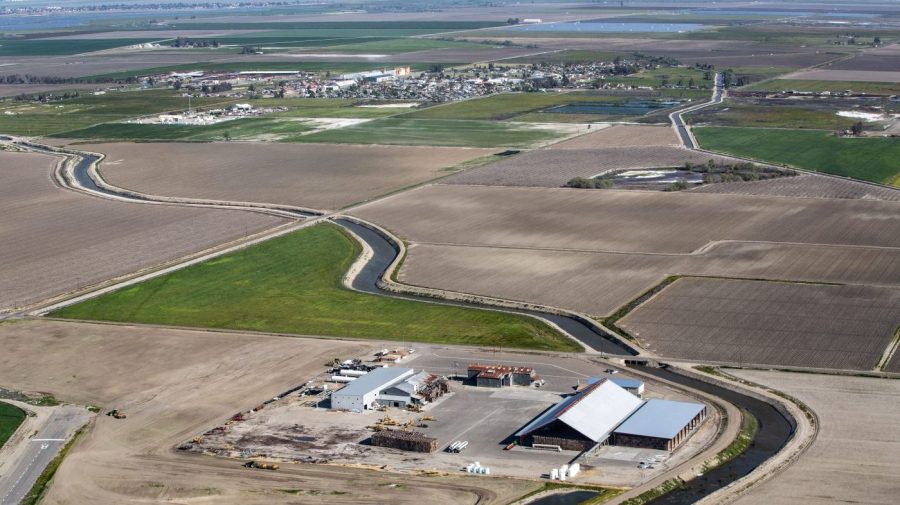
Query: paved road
<point x="678" y="121"/>
<point x="41" y="449"/>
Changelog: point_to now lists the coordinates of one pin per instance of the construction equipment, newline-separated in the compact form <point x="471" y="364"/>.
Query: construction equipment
<point x="116" y="414"/>
<point x="260" y="465"/>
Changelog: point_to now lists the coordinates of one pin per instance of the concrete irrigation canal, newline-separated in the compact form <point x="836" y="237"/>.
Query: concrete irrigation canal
<point x="773" y="432"/>
<point x="385" y="252"/>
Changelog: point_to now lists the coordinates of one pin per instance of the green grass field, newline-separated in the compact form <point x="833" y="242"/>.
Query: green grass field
<point x="875" y="88"/>
<point x="292" y="284"/>
<point x="26" y="118"/>
<point x="10" y="419"/>
<point x="272" y="129"/>
<point x="798" y="116"/>
<point x="528" y="106"/>
<point x="392" y="46"/>
<point x="868" y="159"/>
<point x="50" y="47"/>
<point x="436" y="132"/>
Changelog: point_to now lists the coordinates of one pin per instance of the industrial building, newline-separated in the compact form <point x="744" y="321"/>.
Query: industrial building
<point x="363" y="392"/>
<point x="388" y="387"/>
<point x="606" y="413"/>
<point x="583" y="420"/>
<point x="633" y="386"/>
<point x="660" y="424"/>
<point x="496" y="376"/>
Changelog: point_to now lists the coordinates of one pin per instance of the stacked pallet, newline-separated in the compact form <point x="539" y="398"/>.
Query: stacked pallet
<point x="404" y="440"/>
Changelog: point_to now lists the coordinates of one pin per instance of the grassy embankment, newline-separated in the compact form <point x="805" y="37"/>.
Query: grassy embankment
<point x="868" y="159"/>
<point x="10" y="419"/>
<point x="292" y="284"/>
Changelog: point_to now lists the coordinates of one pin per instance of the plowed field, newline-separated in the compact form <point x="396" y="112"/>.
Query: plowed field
<point x="55" y="241"/>
<point x="767" y="322"/>
<point x="317" y="176"/>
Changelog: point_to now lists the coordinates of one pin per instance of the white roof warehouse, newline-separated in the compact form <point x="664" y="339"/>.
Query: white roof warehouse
<point x="605" y="413"/>
<point x="363" y="392"/>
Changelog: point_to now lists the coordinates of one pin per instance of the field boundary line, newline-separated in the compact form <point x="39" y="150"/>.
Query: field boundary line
<point x="702" y="250"/>
<point x="889" y="352"/>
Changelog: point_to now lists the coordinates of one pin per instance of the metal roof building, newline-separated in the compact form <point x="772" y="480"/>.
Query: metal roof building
<point x="660" y="424"/>
<point x="633" y="386"/>
<point x="583" y="420"/>
<point x="362" y="392"/>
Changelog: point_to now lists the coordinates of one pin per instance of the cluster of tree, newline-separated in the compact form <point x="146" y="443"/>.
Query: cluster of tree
<point x="216" y="88"/>
<point x="251" y="50"/>
<point x="586" y="183"/>
<point x="663" y="61"/>
<point x="186" y="42"/>
<point x="513" y="21"/>
<point x="46" y="97"/>
<point x="679" y="185"/>
<point x="857" y="128"/>
<point x="736" y="172"/>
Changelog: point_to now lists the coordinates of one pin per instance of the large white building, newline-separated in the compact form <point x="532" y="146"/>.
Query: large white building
<point x="360" y="394"/>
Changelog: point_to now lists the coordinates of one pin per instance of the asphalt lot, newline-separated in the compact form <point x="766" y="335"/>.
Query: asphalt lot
<point x="41" y="450"/>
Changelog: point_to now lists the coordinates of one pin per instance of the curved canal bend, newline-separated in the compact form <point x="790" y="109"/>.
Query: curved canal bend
<point x="385" y="252"/>
<point x="774" y="429"/>
<point x="81" y="172"/>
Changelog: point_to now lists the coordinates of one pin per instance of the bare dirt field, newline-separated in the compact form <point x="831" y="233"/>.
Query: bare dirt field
<point x="600" y="283"/>
<point x="868" y="62"/>
<point x="853" y="459"/>
<point x="627" y="221"/>
<point x="623" y="136"/>
<point x="845" y="327"/>
<point x="293" y="429"/>
<point x="175" y="383"/>
<point x="804" y="186"/>
<point x="552" y="168"/>
<point x="55" y="240"/>
<point x="845" y="75"/>
<point x="324" y="176"/>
